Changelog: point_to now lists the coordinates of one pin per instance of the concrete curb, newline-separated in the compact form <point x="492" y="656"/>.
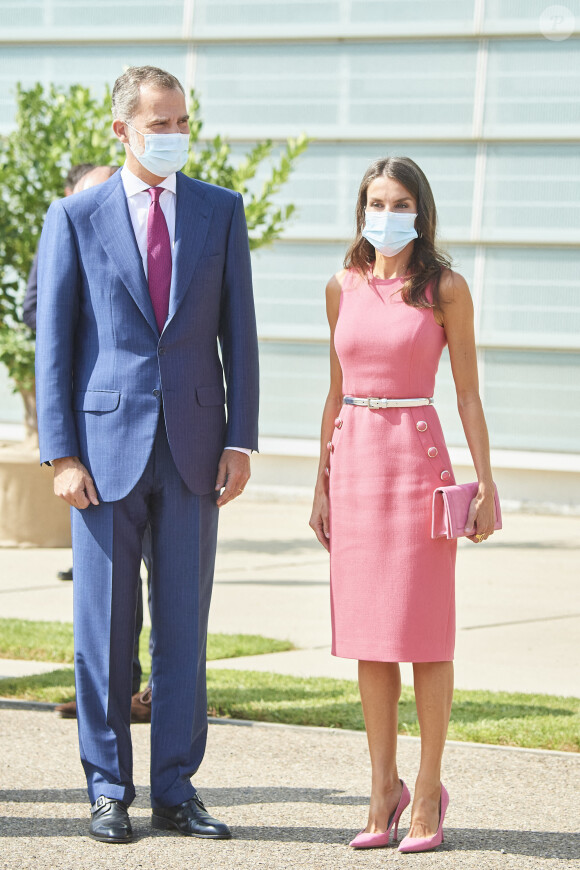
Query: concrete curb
<point x="15" y="704"/>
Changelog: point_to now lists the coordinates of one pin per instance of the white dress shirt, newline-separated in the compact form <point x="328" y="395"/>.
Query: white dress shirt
<point x="138" y="201"/>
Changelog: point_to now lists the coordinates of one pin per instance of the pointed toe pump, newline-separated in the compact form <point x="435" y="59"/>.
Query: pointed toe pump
<point x="423" y="844"/>
<point x="374" y="841"/>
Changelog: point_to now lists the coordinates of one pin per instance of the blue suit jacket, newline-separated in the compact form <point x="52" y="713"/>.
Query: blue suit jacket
<point x="102" y="369"/>
<point x="29" y="304"/>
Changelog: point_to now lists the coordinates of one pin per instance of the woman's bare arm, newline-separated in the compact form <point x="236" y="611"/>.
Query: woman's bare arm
<point x="332" y="407"/>
<point x="456" y="316"/>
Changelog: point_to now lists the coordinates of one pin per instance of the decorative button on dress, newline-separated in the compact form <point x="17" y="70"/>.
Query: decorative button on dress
<point x="392" y="586"/>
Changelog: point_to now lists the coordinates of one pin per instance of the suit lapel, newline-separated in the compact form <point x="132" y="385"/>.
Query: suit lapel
<point x="112" y="224"/>
<point x="192" y="215"/>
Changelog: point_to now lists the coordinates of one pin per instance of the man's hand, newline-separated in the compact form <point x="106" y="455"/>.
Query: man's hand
<point x="73" y="483"/>
<point x="233" y="473"/>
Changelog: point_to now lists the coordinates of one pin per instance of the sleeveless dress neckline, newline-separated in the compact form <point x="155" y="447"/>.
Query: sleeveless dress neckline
<point x="375" y="278"/>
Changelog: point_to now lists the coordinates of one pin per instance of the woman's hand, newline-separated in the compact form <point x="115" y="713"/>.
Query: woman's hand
<point x="319" y="519"/>
<point x="481" y="516"/>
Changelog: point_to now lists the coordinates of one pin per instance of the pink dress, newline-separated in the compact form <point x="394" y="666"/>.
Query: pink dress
<point x="392" y="586"/>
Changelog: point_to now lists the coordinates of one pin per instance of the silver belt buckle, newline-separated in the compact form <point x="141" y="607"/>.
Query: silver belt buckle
<point x="376" y="404"/>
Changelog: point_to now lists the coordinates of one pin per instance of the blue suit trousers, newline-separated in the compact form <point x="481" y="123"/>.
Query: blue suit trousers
<point x="107" y="548"/>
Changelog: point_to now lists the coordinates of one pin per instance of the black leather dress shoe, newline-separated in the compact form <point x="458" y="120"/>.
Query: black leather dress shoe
<point x="110" y="821"/>
<point x="190" y="818"/>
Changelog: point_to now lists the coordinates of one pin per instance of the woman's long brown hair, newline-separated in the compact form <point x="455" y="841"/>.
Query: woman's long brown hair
<point x="427" y="260"/>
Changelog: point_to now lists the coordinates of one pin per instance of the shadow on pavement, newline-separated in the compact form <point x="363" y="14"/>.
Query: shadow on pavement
<point x="228" y="797"/>
<point x="269" y="545"/>
<point x="44" y="796"/>
<point x="45" y="828"/>
<point x="287" y="584"/>
<point x="529" y="545"/>
<point x="537" y="844"/>
<point x="544" y="844"/>
<point x="213" y="797"/>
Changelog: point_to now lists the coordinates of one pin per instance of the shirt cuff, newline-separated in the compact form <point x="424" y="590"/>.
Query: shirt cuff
<point x="240" y="450"/>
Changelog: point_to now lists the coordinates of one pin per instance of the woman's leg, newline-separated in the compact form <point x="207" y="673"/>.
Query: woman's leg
<point x="380" y="689"/>
<point x="433" y="694"/>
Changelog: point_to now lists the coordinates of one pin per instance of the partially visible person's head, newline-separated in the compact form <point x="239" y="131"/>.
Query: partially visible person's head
<point x="74" y="175"/>
<point x="399" y="183"/>
<point x="95" y="176"/>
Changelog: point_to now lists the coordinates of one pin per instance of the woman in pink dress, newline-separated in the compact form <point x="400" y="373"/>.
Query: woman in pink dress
<point x="391" y="311"/>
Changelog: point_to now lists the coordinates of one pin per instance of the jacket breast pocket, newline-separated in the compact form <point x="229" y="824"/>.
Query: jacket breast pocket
<point x="96" y="401"/>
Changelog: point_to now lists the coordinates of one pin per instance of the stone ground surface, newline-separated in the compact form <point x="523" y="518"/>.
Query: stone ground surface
<point x="293" y="797"/>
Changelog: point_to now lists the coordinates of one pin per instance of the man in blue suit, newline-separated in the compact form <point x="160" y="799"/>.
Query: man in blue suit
<point x="145" y="309"/>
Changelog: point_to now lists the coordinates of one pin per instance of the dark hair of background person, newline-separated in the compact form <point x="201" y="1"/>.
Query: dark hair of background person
<point x="76" y="172"/>
<point x="97" y="175"/>
<point x="427" y="260"/>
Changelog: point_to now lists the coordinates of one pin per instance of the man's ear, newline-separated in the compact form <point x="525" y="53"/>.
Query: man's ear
<point x="120" y="131"/>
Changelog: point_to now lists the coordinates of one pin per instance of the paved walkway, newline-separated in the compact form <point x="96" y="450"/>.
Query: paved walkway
<point x="294" y="797"/>
<point x="518" y="597"/>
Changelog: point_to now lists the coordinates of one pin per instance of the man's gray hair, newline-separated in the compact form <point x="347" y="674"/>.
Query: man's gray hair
<point x="126" y="90"/>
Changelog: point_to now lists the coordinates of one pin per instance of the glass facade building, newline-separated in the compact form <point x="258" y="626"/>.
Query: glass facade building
<point x="483" y="94"/>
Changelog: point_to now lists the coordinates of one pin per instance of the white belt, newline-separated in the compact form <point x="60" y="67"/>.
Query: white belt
<point x="376" y="404"/>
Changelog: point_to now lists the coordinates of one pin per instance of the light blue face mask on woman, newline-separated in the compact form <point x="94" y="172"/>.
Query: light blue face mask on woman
<point x="389" y="231"/>
<point x="164" y="153"/>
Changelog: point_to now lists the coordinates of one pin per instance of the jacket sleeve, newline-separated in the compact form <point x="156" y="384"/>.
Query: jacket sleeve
<point x="56" y="319"/>
<point x="238" y="337"/>
<point x="29" y="305"/>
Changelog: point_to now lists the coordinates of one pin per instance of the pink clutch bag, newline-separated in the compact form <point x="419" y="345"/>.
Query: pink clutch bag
<point x="451" y="506"/>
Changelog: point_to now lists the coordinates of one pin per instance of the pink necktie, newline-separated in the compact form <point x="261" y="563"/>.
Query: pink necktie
<point x="158" y="258"/>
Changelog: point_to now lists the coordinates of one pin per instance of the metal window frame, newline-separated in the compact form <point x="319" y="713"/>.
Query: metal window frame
<point x="150" y="35"/>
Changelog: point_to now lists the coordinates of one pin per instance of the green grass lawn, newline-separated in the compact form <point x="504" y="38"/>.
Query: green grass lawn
<point x="509" y="719"/>
<point x="53" y="642"/>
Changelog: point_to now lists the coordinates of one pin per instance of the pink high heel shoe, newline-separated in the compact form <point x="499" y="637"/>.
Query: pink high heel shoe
<point x="423" y="844"/>
<point x="373" y="841"/>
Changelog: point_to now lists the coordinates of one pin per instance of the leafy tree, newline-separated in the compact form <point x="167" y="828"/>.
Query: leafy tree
<point x="56" y="129"/>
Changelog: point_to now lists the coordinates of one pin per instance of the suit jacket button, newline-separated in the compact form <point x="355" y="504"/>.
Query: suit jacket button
<point x="162" y="350"/>
<point x="156" y="393"/>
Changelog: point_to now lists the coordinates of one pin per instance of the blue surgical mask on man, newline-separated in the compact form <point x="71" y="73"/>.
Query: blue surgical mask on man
<point x="164" y="153"/>
<point x="389" y="231"/>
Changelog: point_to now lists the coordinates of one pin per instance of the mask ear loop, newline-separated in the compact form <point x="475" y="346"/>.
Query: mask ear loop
<point x="131" y="127"/>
